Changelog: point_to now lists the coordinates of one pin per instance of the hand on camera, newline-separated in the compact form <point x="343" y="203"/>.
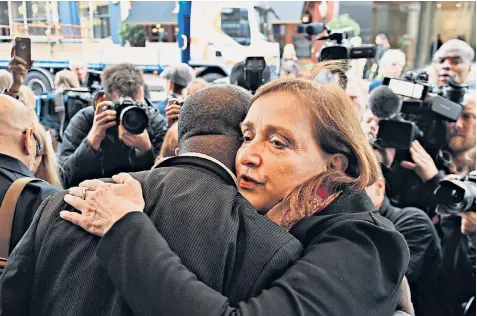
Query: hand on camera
<point x="173" y="110"/>
<point x="422" y="163"/>
<point x="19" y="69"/>
<point x="467" y="225"/>
<point x="140" y="142"/>
<point x="102" y="121"/>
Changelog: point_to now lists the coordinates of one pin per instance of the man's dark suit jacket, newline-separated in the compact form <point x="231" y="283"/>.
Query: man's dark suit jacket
<point x="30" y="199"/>
<point x="186" y="199"/>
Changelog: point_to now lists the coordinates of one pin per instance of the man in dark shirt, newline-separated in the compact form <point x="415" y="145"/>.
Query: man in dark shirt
<point x="94" y="146"/>
<point x="423" y="272"/>
<point x="19" y="154"/>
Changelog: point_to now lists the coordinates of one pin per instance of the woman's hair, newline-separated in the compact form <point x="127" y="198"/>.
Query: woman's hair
<point x="336" y="130"/>
<point x="48" y="168"/>
<point x="66" y="79"/>
<point x="289" y="52"/>
<point x="6" y="79"/>
<point x="28" y="97"/>
<point x="170" y="142"/>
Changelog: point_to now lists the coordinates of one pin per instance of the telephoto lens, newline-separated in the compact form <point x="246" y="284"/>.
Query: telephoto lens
<point x="456" y="196"/>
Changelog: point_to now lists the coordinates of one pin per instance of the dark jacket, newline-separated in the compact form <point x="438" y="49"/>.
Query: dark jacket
<point x="424" y="270"/>
<point x="353" y="264"/>
<point x="194" y="203"/>
<point x="458" y="268"/>
<point x="81" y="162"/>
<point x="30" y="199"/>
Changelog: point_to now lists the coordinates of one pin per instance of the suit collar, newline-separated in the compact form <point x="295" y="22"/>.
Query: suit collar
<point x="204" y="161"/>
<point x="15" y="165"/>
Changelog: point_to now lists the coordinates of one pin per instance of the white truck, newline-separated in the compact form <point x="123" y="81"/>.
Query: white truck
<point x="222" y="34"/>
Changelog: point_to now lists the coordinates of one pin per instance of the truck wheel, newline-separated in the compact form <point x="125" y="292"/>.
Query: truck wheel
<point x="211" y="77"/>
<point x="38" y="82"/>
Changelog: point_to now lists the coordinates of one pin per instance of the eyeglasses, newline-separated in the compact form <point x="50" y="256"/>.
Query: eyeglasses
<point x="38" y="144"/>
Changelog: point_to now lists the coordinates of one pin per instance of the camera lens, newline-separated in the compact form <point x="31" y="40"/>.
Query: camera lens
<point x="134" y="119"/>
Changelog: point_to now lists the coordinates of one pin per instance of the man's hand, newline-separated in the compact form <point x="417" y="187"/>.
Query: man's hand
<point x="140" y="142"/>
<point x="423" y="164"/>
<point x="19" y="69"/>
<point x="103" y="204"/>
<point x="172" y="111"/>
<point x="102" y="121"/>
<point x="467" y="225"/>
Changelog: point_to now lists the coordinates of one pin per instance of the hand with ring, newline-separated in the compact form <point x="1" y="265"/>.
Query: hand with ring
<point x="103" y="204"/>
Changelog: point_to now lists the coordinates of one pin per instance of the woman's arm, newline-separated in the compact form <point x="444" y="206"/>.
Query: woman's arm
<point x="354" y="268"/>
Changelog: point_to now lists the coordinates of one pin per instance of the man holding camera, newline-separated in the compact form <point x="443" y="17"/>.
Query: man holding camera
<point x="100" y="141"/>
<point x="457" y="232"/>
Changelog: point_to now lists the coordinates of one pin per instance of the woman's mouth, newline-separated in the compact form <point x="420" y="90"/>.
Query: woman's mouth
<point x="246" y="182"/>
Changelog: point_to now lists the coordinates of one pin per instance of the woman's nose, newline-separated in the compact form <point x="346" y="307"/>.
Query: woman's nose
<point x="250" y="156"/>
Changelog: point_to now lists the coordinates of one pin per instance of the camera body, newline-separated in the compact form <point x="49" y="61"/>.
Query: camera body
<point x="423" y="114"/>
<point x="131" y="114"/>
<point x="456" y="196"/>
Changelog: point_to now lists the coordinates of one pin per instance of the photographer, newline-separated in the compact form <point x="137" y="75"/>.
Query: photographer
<point x="95" y="146"/>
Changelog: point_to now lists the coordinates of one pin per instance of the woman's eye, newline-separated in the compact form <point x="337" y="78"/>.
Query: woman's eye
<point x="277" y="143"/>
<point x="247" y="138"/>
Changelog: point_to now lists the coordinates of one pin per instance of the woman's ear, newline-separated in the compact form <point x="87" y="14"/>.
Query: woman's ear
<point x="338" y="162"/>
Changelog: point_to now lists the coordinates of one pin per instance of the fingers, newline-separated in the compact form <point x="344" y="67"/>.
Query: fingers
<point x="76" y="202"/>
<point x="78" y="192"/>
<point x="18" y="61"/>
<point x="106" y="120"/>
<point x="91" y="184"/>
<point x="173" y="108"/>
<point x="408" y="165"/>
<point x="101" y="105"/>
<point x="123" y="178"/>
<point x="72" y="217"/>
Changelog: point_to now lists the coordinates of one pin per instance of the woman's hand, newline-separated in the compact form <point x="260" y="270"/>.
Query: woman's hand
<point x="103" y="204"/>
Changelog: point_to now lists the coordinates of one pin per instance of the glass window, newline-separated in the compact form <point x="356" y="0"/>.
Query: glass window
<point x="100" y="14"/>
<point x="234" y="23"/>
<point x="36" y="13"/>
<point x="264" y="25"/>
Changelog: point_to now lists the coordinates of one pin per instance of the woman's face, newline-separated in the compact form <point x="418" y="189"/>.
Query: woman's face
<point x="279" y="151"/>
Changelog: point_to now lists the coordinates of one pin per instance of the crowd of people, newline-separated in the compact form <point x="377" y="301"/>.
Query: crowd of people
<point x="233" y="203"/>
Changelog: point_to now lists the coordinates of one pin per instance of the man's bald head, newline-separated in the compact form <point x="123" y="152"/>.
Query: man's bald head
<point x="14" y="116"/>
<point x="210" y="119"/>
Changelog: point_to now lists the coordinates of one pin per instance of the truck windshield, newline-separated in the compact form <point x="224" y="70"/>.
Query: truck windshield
<point x="264" y="26"/>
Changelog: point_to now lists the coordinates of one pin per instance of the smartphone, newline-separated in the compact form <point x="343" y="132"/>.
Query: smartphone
<point x="23" y="48"/>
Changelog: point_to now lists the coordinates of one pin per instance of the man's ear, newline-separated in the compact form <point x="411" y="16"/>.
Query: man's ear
<point x="338" y="162"/>
<point x="27" y="138"/>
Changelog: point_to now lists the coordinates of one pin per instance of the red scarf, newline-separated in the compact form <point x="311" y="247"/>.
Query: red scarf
<point x="283" y="215"/>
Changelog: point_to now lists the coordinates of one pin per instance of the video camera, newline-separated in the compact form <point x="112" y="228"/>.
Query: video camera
<point x="421" y="114"/>
<point x="456" y="196"/>
<point x="337" y="45"/>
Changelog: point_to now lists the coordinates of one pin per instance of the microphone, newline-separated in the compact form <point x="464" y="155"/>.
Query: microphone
<point x="384" y="103"/>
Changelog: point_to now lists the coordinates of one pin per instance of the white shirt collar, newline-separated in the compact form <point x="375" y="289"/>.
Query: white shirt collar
<point x="194" y="154"/>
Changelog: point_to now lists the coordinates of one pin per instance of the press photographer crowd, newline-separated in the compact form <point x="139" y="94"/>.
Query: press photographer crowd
<point x="349" y="190"/>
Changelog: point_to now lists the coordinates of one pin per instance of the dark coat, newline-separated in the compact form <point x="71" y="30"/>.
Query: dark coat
<point x="424" y="270"/>
<point x="353" y="264"/>
<point x="194" y="203"/>
<point x="81" y="162"/>
<point x="30" y="199"/>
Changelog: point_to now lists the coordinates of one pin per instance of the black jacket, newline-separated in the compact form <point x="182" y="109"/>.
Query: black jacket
<point x="194" y="203"/>
<point x="30" y="199"/>
<point x="424" y="270"/>
<point x="81" y="162"/>
<point x="353" y="264"/>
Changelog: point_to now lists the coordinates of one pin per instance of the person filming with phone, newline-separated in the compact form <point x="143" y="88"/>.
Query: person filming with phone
<point x="121" y="133"/>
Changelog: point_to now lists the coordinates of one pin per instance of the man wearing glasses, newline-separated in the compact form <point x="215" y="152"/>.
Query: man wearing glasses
<point x="20" y="152"/>
<point x="454" y="60"/>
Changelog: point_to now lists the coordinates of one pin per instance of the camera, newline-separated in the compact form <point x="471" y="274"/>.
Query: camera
<point x="251" y="73"/>
<point x="337" y="45"/>
<point x="423" y="113"/>
<point x="456" y="196"/>
<point x="130" y="114"/>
